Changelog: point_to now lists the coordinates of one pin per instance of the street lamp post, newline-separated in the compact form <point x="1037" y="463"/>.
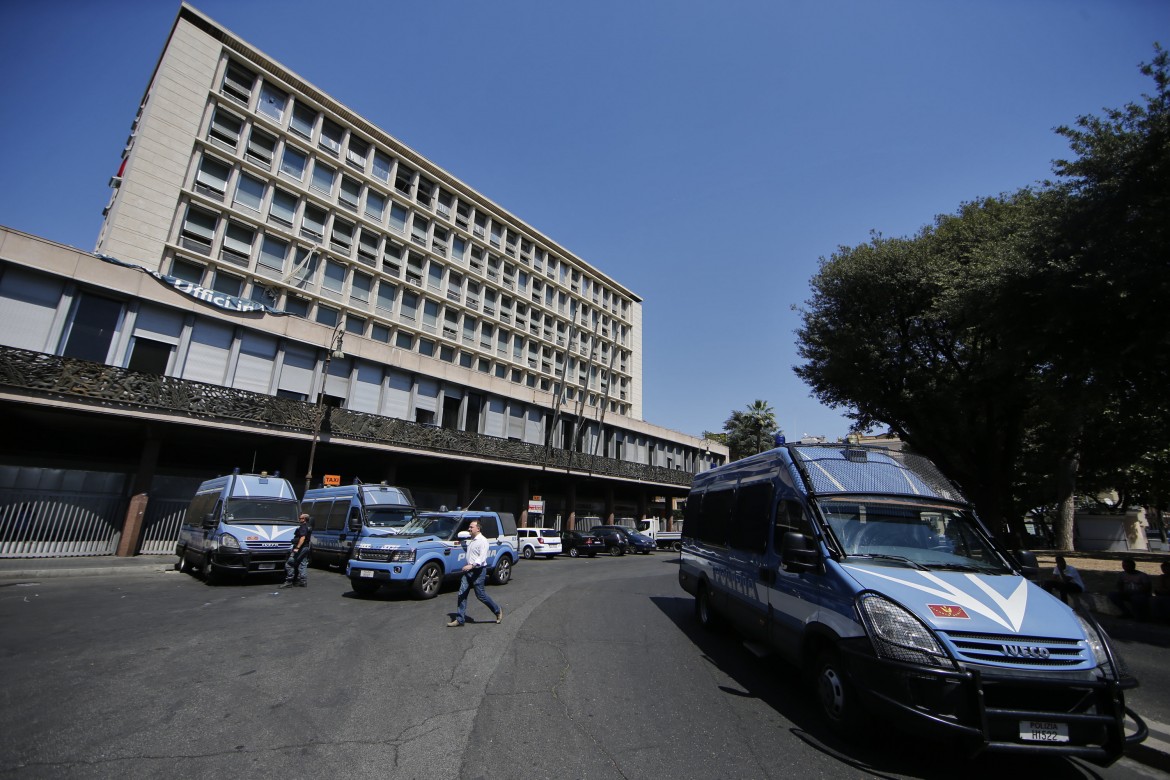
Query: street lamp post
<point x="334" y="351"/>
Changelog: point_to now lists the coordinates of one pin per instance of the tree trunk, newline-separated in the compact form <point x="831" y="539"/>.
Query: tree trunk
<point x="1066" y="486"/>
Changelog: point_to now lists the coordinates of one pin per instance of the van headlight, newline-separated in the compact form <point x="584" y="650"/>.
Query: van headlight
<point x="898" y="635"/>
<point x="1096" y="640"/>
<point x="228" y="542"/>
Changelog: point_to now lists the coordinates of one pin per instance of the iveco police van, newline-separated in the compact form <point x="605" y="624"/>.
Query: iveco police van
<point x="238" y="524"/>
<point x="428" y="550"/>
<point x="868" y="569"/>
<point x="342" y="516"/>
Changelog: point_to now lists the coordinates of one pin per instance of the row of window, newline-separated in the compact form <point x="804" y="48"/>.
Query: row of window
<point x="420" y="316"/>
<point x="214" y="178"/>
<point x="298" y="118"/>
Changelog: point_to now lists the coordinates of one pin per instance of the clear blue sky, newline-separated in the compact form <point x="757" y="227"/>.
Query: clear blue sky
<point x="705" y="154"/>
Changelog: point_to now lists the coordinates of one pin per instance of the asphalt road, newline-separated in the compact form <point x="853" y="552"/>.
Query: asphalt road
<point x="597" y="671"/>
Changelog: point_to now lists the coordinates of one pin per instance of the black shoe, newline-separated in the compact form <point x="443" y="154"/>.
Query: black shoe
<point x="288" y="584"/>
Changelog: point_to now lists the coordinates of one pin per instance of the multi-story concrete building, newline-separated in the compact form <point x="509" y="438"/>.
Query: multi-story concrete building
<point x="265" y="243"/>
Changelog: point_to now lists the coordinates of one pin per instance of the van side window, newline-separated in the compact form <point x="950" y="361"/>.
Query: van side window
<point x="714" y="516"/>
<point x="489" y="526"/>
<point x="319" y="514"/>
<point x="749" y="527"/>
<point x="691" y="515"/>
<point x="355" y="516"/>
<point x="338" y="513"/>
<point x="790" y="517"/>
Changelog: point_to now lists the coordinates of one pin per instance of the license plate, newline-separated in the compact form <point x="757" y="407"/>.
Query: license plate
<point x="1043" y="731"/>
<point x="265" y="566"/>
<point x="367" y="573"/>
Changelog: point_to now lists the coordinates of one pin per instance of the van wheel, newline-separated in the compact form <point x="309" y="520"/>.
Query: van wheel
<point x="703" y="611"/>
<point x="208" y="571"/>
<point x="427" y="582"/>
<point x="503" y="571"/>
<point x="364" y="587"/>
<point x="528" y="554"/>
<point x="183" y="565"/>
<point x="835" y="694"/>
<point x="573" y="552"/>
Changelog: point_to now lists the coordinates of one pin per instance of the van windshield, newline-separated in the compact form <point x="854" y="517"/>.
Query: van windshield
<point x="926" y="535"/>
<point x="388" y="516"/>
<point x="259" y="510"/>
<point x="442" y="526"/>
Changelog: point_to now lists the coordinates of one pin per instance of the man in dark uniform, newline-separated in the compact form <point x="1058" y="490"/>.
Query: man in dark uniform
<point x="296" y="568"/>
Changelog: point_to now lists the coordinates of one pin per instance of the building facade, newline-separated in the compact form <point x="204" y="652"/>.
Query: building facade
<point x="266" y="246"/>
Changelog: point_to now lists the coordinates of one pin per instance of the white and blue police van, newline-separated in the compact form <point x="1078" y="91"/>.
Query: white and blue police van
<point x="868" y="569"/>
<point x="239" y="524"/>
<point x="429" y="550"/>
<point x="344" y="515"/>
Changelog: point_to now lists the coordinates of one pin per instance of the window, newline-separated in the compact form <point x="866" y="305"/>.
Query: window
<point x="272" y="102"/>
<point x="293" y="163"/>
<point x="93" y="328"/>
<point x="386" y="294"/>
<point x="334" y="280"/>
<point x="359" y="288"/>
<point x="187" y="271"/>
<point x="323" y="177"/>
<point x="272" y="254"/>
<point x="149" y="356"/>
<point x="458" y="249"/>
<point x="250" y="192"/>
<point x="357" y="153"/>
<point x="198" y="230"/>
<point x="227" y="283"/>
<point x="303" y="120"/>
<point x="284" y="208"/>
<point x="454" y="287"/>
<point x="480" y="225"/>
<point x="328" y="316"/>
<point x="447" y="354"/>
<point x="414" y="268"/>
<point x="237" y="243"/>
<point x="403" y="179"/>
<point x="331" y="135"/>
<point x="468" y="329"/>
<point x="237" y="83"/>
<point x="382" y="166"/>
<point x="211" y="178"/>
<point x="426" y="347"/>
<point x="262" y="150"/>
<point x="430" y="316"/>
<point x="225" y="129"/>
<point x="380" y="332"/>
<point x="341" y="239"/>
<point x="398" y="218"/>
<point x="409" y="306"/>
<point x="392" y="258"/>
<point x="367" y="246"/>
<point x="375" y="205"/>
<point x="298" y="307"/>
<point x="418" y="230"/>
<point x="749" y="528"/>
<point x="426" y="191"/>
<point x="313" y="224"/>
<point x="404" y="340"/>
<point x="355" y="325"/>
<point x="435" y="276"/>
<point x="350" y="194"/>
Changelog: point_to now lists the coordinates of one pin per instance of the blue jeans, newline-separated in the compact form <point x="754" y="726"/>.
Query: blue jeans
<point x="296" y="567"/>
<point x="474" y="578"/>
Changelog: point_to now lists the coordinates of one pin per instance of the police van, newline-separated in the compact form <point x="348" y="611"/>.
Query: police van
<point x="341" y="516"/>
<point x="867" y="568"/>
<point x="238" y="524"/>
<point x="428" y="551"/>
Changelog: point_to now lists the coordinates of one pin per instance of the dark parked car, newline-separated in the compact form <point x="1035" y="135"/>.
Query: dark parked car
<point x="577" y="543"/>
<point x="613" y="537"/>
<point x="640" y="543"/>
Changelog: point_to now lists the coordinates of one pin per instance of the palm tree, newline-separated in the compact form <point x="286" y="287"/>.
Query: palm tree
<point x="751" y="430"/>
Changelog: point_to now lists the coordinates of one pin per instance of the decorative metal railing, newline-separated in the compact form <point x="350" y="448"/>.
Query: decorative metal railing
<point x="80" y="380"/>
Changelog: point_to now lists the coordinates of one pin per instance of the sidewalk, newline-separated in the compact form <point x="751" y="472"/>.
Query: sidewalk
<point x="24" y="569"/>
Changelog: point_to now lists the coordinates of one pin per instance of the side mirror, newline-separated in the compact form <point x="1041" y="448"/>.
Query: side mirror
<point x="355" y="524"/>
<point x="209" y="520"/>
<point x="1029" y="566"/>
<point x="463" y="536"/>
<point x="797" y="553"/>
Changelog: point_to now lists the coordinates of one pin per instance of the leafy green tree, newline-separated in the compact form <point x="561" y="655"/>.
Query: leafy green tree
<point x="750" y="431"/>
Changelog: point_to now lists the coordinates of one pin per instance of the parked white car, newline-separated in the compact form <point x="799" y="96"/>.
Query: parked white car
<point x="539" y="541"/>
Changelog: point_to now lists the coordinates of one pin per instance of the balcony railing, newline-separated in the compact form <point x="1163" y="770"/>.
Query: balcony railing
<point x="49" y="376"/>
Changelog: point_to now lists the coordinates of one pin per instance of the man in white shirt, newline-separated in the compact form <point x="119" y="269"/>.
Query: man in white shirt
<point x="1064" y="580"/>
<point x="474" y="575"/>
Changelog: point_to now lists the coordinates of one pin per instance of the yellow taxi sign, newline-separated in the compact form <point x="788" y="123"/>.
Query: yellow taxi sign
<point x="332" y="480"/>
